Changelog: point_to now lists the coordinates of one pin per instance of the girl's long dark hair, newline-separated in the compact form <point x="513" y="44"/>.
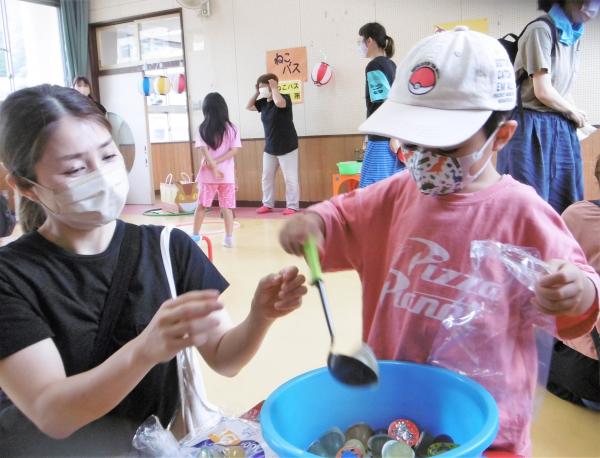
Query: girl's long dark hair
<point x="216" y="120"/>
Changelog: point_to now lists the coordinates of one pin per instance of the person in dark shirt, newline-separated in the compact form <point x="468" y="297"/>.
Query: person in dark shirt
<point x="80" y="370"/>
<point x="82" y="85"/>
<point x="379" y="161"/>
<point x="281" y="143"/>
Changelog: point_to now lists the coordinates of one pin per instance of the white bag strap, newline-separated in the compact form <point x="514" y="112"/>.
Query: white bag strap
<point x="185" y="178"/>
<point x="165" y="242"/>
<point x="197" y="411"/>
<point x="169" y="179"/>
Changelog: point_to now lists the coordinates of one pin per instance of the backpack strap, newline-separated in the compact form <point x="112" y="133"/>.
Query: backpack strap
<point x="523" y="76"/>
<point x="129" y="253"/>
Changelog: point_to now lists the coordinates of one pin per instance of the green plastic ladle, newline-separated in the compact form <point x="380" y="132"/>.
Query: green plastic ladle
<point x="359" y="369"/>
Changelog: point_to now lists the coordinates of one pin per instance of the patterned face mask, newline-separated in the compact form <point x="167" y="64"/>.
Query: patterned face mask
<point x="437" y="174"/>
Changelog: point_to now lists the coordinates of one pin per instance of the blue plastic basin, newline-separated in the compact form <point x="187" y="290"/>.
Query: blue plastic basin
<point x="438" y="400"/>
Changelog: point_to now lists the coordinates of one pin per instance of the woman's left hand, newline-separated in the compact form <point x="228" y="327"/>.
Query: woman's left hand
<point x="279" y="294"/>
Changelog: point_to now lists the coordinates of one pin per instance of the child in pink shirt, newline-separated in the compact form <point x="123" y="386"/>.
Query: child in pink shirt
<point x="219" y="141"/>
<point x="409" y="236"/>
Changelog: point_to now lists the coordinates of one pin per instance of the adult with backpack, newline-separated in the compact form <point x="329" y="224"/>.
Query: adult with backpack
<point x="545" y="152"/>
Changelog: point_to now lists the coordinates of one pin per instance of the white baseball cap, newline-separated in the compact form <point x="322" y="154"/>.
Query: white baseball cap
<point x="446" y="89"/>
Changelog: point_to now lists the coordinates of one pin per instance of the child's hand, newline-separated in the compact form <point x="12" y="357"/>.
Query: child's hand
<point x="562" y="292"/>
<point x="217" y="173"/>
<point x="180" y="323"/>
<point x="279" y="294"/>
<point x="298" y="229"/>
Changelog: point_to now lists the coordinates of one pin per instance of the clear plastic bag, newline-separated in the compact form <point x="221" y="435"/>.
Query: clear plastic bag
<point x="498" y="313"/>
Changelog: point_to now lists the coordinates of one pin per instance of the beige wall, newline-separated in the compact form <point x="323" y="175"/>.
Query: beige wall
<point x="226" y="51"/>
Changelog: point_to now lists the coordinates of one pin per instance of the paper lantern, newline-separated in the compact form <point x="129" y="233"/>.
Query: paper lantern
<point x="321" y="74"/>
<point x="179" y="83"/>
<point x="162" y="85"/>
<point x="146" y="86"/>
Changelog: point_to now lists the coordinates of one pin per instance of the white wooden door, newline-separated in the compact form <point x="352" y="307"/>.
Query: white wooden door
<point x="119" y="94"/>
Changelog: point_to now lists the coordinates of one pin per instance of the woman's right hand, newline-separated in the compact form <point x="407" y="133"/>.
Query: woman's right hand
<point x="179" y="323"/>
<point x="298" y="229"/>
<point x="578" y="117"/>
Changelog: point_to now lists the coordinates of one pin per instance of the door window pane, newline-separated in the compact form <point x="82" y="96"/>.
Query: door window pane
<point x="118" y="45"/>
<point x="35" y="44"/>
<point x="161" y="38"/>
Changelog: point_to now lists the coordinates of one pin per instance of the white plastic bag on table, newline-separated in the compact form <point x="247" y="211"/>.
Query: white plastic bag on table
<point x="499" y="314"/>
<point x="208" y="433"/>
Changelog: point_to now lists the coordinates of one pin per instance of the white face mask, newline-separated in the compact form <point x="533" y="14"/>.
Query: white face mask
<point x="437" y="174"/>
<point x="264" y="92"/>
<point x="362" y="48"/>
<point x="89" y="201"/>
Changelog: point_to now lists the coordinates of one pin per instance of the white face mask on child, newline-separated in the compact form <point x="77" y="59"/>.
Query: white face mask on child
<point x="437" y="174"/>
<point x="89" y="201"/>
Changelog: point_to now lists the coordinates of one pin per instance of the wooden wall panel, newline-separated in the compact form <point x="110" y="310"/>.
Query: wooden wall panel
<point x="317" y="162"/>
<point x="170" y="158"/>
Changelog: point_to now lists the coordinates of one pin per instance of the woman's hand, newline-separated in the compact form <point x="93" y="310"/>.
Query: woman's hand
<point x="578" y="117"/>
<point x="563" y="292"/>
<point x="273" y="85"/>
<point x="180" y="323"/>
<point x="279" y="294"/>
<point x="297" y="231"/>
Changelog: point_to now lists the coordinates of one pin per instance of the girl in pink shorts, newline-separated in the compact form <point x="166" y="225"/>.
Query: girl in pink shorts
<point x="218" y="142"/>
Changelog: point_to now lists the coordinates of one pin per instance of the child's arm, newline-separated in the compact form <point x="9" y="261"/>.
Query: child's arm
<point x="276" y="295"/>
<point x="567" y="291"/>
<point x="228" y="155"/>
<point x="210" y="162"/>
<point x="298" y="229"/>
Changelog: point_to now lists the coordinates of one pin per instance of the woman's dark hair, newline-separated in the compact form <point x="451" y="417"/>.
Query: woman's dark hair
<point x="83" y="79"/>
<point x="376" y="32"/>
<point x="597" y="170"/>
<point x="495" y="119"/>
<point x="28" y="118"/>
<point x="264" y="79"/>
<point x="546" y="5"/>
<point x="216" y="120"/>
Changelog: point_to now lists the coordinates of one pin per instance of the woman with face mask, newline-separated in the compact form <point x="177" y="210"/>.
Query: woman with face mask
<point x="281" y="143"/>
<point x="379" y="161"/>
<point x="88" y="329"/>
<point x="545" y="152"/>
<point x="82" y="85"/>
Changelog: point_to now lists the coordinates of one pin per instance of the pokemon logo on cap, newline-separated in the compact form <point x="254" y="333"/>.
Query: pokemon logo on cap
<point x="423" y="78"/>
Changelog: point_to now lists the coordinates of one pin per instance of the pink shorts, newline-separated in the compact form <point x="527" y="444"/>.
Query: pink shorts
<point x="225" y="191"/>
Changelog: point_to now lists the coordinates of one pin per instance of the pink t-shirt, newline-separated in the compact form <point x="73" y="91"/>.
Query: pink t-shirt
<point x="231" y="139"/>
<point x="411" y="252"/>
<point x="583" y="220"/>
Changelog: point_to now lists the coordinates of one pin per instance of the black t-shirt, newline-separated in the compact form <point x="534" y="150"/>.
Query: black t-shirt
<point x="280" y="133"/>
<point x="48" y="292"/>
<point x="379" y="76"/>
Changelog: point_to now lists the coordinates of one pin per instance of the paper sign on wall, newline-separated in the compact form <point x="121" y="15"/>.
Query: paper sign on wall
<point x="288" y="64"/>
<point x="479" y="25"/>
<point x="293" y="89"/>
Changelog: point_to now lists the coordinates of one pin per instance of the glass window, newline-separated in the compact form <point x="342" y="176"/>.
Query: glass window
<point x="35" y="44"/>
<point x="118" y="45"/>
<point x="160" y="38"/>
<point x="168" y="127"/>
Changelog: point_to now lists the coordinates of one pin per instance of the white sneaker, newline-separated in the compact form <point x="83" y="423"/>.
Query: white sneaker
<point x="228" y="241"/>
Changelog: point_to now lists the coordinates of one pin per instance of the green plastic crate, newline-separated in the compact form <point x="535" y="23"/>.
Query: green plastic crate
<point x="349" y="167"/>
